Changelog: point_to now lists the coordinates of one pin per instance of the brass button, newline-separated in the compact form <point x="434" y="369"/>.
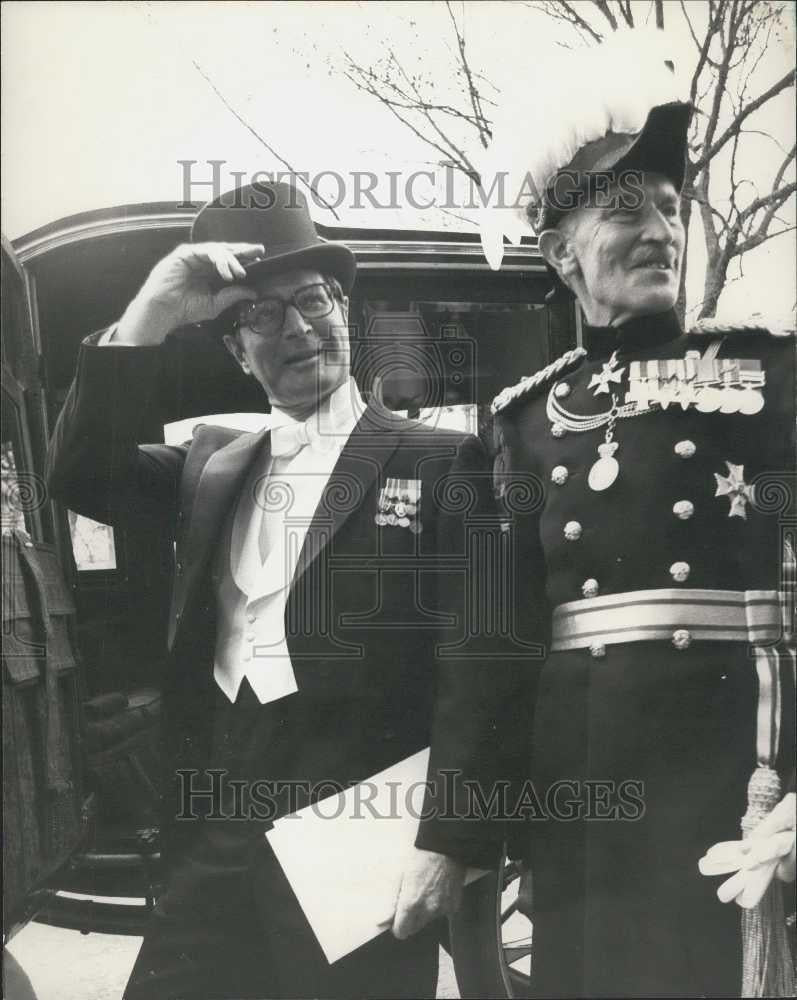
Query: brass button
<point x="590" y="588"/>
<point x="558" y="430"/>
<point x="682" y="638"/>
<point x="562" y="390"/>
<point x="685" y="449"/>
<point x="597" y="650"/>
<point x="559" y="475"/>
<point x="680" y="571"/>
<point x="572" y="531"/>
<point x="683" y="509"/>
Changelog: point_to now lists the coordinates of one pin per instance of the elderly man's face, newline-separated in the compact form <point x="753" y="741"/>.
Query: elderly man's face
<point x="627" y="262"/>
<point x="305" y="359"/>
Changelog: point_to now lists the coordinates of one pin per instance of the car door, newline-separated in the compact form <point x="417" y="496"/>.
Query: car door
<point x="46" y="810"/>
<point x="117" y="582"/>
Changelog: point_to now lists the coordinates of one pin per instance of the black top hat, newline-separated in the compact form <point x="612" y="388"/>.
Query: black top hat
<point x="276" y="215"/>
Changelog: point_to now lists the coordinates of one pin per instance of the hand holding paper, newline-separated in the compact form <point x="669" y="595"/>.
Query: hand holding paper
<point x="353" y="853"/>
<point x="431" y="887"/>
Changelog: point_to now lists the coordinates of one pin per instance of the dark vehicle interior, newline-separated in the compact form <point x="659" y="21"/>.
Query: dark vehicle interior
<point x="434" y="332"/>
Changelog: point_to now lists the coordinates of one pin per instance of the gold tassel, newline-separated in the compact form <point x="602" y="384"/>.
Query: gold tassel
<point x="767" y="962"/>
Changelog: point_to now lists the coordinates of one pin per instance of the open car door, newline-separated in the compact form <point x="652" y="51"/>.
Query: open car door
<point x="81" y="709"/>
<point x="46" y="811"/>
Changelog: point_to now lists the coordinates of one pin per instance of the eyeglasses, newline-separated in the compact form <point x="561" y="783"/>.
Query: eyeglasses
<point x="266" y="316"/>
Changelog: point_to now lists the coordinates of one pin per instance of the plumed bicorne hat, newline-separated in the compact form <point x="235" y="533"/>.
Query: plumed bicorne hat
<point x="275" y="214"/>
<point x="616" y="106"/>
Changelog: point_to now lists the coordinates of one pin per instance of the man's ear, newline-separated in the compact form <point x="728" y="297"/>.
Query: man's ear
<point x="557" y="249"/>
<point x="232" y="345"/>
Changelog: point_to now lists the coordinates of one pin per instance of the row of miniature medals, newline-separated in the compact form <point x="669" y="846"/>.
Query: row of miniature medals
<point x="398" y="504"/>
<point x="710" y="385"/>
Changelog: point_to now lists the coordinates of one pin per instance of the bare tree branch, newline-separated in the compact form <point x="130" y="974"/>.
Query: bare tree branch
<point x="771" y="202"/>
<point x="456" y="215"/>
<point x="625" y="10"/>
<point x="364" y="80"/>
<point x="764" y="135"/>
<point x="720" y="85"/>
<point x="724" y="221"/>
<point x="757" y="241"/>
<point x="604" y="8"/>
<point x="791" y="155"/>
<point x="730" y="39"/>
<point x="704" y="48"/>
<point x="435" y="127"/>
<point x="754" y="105"/>
<point x="473" y="91"/>
<point x="698" y="45"/>
<point x="762" y="50"/>
<point x="262" y="141"/>
<point x="451" y="153"/>
<point x="561" y="10"/>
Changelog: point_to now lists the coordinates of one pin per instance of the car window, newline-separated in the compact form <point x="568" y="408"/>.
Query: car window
<point x="440" y="355"/>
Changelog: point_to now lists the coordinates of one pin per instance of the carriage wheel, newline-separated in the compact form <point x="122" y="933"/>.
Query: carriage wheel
<point x="490" y="939"/>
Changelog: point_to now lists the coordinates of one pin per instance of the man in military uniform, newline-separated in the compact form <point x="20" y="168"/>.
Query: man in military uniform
<point x="651" y="569"/>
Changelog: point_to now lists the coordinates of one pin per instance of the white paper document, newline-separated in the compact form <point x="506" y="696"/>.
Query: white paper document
<point x="344" y="856"/>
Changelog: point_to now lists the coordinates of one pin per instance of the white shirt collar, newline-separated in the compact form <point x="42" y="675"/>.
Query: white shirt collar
<point x="338" y="413"/>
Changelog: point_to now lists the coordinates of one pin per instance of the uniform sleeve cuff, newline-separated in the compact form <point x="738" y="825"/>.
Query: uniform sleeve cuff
<point x="472" y="853"/>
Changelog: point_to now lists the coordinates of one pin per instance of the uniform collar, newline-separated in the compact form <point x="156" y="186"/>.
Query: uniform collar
<point x="637" y="335"/>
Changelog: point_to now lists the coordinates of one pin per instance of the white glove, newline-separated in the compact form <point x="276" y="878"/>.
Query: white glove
<point x="769" y="850"/>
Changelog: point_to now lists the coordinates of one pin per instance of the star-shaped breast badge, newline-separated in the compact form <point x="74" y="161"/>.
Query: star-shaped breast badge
<point x="607" y="375"/>
<point x="734" y="487"/>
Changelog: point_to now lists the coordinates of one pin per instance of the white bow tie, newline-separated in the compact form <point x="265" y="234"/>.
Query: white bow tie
<point x="289" y="440"/>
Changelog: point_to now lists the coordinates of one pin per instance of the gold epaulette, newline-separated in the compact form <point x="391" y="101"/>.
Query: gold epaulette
<point x="532" y="384"/>
<point x="773" y="326"/>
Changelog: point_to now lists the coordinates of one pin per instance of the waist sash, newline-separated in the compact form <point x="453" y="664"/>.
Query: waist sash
<point x="642" y="615"/>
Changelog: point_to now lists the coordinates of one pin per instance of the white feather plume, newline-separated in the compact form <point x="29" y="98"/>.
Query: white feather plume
<point x="560" y="105"/>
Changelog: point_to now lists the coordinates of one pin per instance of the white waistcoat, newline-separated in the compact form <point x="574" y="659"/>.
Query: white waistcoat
<point x="251" y="595"/>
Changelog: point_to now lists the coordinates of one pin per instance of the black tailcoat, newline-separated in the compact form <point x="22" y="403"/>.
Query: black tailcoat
<point x="368" y="608"/>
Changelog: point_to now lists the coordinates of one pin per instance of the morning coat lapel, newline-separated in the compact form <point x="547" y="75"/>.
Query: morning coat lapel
<point x="217" y="490"/>
<point x="362" y="460"/>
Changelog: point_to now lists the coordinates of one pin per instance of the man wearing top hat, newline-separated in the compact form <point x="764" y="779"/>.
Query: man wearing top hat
<point x="652" y="568"/>
<point x="303" y="627"/>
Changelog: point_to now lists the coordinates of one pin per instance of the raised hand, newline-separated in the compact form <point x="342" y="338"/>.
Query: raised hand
<point x="194" y="283"/>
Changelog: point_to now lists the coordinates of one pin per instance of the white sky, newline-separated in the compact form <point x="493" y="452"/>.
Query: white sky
<point x="101" y="100"/>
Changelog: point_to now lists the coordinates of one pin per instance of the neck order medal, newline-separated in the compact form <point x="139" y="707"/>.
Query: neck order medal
<point x="606" y="469"/>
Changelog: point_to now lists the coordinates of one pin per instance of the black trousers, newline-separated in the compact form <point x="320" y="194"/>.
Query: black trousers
<point x="228" y="924"/>
<point x="620" y="906"/>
